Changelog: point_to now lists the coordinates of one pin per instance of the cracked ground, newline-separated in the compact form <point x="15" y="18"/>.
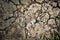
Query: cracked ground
<point x="29" y="19"/>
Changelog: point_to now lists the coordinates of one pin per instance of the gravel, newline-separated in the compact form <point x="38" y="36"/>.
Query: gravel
<point x="28" y="19"/>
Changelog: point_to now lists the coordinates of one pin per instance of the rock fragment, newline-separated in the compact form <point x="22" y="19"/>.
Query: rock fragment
<point x="52" y="22"/>
<point x="54" y="12"/>
<point x="40" y="1"/>
<point x="45" y="17"/>
<point x="26" y="2"/>
<point x="15" y="1"/>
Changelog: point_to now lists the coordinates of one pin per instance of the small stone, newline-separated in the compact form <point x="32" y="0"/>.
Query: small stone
<point x="21" y="7"/>
<point x="45" y="18"/>
<point x="33" y="21"/>
<point x="16" y="1"/>
<point x="40" y="1"/>
<point x="52" y="22"/>
<point x="1" y="24"/>
<point x="26" y="2"/>
<point x="54" y="4"/>
<point x="12" y="30"/>
<point x="30" y="29"/>
<point x="46" y="7"/>
<point x="58" y="22"/>
<point x="34" y="7"/>
<point x="14" y="7"/>
<point x="38" y="18"/>
<point x="54" y="13"/>
<point x="29" y="25"/>
<point x="47" y="28"/>
<point x="8" y="22"/>
<point x="17" y="20"/>
<point x="48" y="35"/>
<point x="47" y="0"/>
<point x="39" y="28"/>
<point x="59" y="4"/>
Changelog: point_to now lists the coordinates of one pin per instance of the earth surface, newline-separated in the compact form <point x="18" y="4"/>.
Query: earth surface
<point x="29" y="19"/>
